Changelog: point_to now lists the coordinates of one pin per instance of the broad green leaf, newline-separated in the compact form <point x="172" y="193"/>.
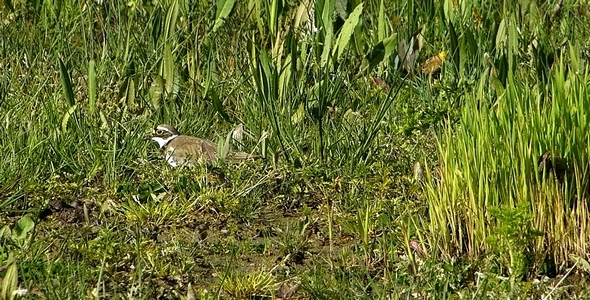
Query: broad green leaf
<point x="347" y="30"/>
<point x="171" y="18"/>
<point x="448" y="10"/>
<point x="327" y="30"/>
<point x="463" y="55"/>
<point x="23" y="226"/>
<point x="512" y="40"/>
<point x="92" y="86"/>
<point x="224" y="8"/>
<point x="501" y="36"/>
<point x="380" y="52"/>
<point x="66" y="83"/>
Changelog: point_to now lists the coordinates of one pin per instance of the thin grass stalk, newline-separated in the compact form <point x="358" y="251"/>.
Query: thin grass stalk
<point x="92" y="87"/>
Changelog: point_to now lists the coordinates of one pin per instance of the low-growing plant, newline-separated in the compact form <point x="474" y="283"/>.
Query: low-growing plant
<point x="239" y="285"/>
<point x="511" y="238"/>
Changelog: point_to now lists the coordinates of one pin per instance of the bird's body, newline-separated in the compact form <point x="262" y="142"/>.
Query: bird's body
<point x="433" y="65"/>
<point x="187" y="150"/>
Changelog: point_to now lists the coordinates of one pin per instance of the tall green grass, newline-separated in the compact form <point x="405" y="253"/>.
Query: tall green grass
<point x="118" y="78"/>
<point x="488" y="195"/>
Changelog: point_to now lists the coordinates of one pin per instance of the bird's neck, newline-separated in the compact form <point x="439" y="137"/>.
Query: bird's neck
<point x="163" y="142"/>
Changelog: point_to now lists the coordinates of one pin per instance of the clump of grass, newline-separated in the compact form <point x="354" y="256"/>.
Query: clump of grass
<point x="489" y="160"/>
<point x="239" y="285"/>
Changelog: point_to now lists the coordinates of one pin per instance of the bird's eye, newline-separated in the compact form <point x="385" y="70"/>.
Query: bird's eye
<point x="159" y="131"/>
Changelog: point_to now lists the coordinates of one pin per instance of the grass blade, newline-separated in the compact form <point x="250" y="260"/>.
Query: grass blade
<point x="454" y="46"/>
<point x="66" y="83"/>
<point x="381" y="19"/>
<point x="92" y="86"/>
<point x="167" y="71"/>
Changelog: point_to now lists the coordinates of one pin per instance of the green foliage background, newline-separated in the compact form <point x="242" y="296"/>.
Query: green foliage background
<point x="378" y="180"/>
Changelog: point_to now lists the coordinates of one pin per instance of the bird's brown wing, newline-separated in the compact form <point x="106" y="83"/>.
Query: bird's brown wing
<point x="194" y="148"/>
<point x="209" y="150"/>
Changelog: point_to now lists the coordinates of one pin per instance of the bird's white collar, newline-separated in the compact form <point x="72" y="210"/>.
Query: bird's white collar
<point x="163" y="141"/>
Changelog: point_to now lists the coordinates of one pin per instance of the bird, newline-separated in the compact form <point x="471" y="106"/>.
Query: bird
<point x="432" y="65"/>
<point x="187" y="150"/>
